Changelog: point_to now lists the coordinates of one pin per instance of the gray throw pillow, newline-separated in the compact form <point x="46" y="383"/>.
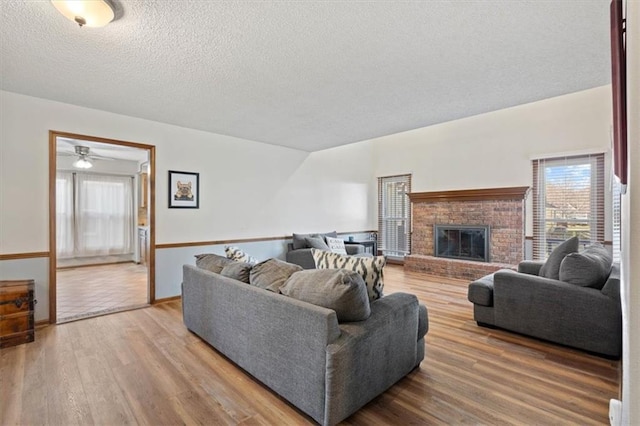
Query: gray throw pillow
<point x="343" y="291"/>
<point x="370" y="268"/>
<point x="238" y="271"/>
<point x="212" y="262"/>
<point x="299" y="241"/>
<point x="317" y="243"/>
<point x="589" y="268"/>
<point x="272" y="273"/>
<point x="551" y="268"/>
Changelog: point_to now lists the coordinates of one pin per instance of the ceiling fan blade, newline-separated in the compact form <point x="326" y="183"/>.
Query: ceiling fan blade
<point x="99" y="157"/>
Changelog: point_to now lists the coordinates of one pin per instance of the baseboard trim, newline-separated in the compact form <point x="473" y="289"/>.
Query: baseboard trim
<point x="42" y="323"/>
<point x="166" y="299"/>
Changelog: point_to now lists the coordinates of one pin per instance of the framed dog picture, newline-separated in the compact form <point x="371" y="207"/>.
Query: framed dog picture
<point x="184" y="190"/>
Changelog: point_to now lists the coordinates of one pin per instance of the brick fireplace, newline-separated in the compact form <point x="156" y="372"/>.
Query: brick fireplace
<point x="499" y="209"/>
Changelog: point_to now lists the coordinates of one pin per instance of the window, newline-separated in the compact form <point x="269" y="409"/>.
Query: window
<point x="568" y="200"/>
<point x="94" y="214"/>
<point x="394" y="215"/>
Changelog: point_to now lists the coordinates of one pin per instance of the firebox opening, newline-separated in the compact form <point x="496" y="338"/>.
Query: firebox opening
<point x="462" y="242"/>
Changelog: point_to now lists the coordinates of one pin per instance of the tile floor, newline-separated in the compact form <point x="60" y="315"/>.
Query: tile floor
<point x="96" y="290"/>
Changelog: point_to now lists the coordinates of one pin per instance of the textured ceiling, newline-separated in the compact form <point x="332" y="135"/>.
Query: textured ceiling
<point x="307" y="74"/>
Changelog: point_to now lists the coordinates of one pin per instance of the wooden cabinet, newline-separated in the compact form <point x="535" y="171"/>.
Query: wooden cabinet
<point x="16" y="312"/>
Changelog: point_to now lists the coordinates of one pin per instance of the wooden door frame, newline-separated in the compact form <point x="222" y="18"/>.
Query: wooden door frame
<point x="151" y="261"/>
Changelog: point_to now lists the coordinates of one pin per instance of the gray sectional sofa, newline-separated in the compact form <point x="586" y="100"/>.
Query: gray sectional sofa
<point x="327" y="369"/>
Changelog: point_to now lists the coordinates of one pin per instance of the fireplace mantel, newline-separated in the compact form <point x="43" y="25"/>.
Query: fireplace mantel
<point x="510" y="193"/>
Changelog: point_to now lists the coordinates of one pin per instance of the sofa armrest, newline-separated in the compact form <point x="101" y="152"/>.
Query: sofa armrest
<point x="370" y="356"/>
<point x="531" y="267"/>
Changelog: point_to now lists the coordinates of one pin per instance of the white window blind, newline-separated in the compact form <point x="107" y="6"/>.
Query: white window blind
<point x="568" y="200"/>
<point x="394" y="215"/>
<point x="615" y="205"/>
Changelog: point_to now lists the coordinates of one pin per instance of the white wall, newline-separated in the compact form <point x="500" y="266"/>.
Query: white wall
<point x="631" y="230"/>
<point x="249" y="189"/>
<point x="252" y="190"/>
<point x="495" y="149"/>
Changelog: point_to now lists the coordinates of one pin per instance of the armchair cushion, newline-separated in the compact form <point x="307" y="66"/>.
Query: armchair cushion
<point x="551" y="268"/>
<point x="531" y="267"/>
<point x="589" y="268"/>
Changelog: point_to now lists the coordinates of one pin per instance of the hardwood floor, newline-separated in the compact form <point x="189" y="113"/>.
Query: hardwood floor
<point x="144" y="367"/>
<point x="95" y="290"/>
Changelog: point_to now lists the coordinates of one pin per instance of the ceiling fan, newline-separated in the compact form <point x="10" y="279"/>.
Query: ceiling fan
<point x="84" y="157"/>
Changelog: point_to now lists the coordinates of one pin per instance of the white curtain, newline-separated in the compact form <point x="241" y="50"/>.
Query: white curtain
<point x="104" y="215"/>
<point x="64" y="215"/>
<point x="94" y="214"/>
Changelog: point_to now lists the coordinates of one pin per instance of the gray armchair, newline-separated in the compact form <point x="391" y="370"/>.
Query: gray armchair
<point x="569" y="313"/>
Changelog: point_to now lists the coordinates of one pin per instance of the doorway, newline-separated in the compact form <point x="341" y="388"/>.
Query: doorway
<point x="101" y="225"/>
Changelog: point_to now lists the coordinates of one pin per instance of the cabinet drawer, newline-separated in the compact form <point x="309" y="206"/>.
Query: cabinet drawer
<point x="11" y="303"/>
<point x="16" y="323"/>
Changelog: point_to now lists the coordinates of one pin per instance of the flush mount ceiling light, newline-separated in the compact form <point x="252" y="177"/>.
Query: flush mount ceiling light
<point x="82" y="162"/>
<point x="92" y="13"/>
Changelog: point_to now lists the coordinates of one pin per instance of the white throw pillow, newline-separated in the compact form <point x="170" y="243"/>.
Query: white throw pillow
<point x="336" y="245"/>
<point x="234" y="253"/>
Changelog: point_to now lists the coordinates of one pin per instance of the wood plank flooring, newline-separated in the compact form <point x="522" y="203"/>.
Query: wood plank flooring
<point x="144" y="367"/>
<point x="88" y="291"/>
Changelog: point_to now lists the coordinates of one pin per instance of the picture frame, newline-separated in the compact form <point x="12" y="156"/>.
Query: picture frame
<point x="184" y="190"/>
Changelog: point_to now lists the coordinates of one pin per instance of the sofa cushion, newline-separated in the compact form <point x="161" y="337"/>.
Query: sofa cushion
<point x="339" y="289"/>
<point x="272" y="273"/>
<point x="551" y="268"/>
<point x="336" y="245"/>
<point x="317" y="243"/>
<point x="370" y="268"/>
<point x="589" y="268"/>
<point x="238" y="271"/>
<point x="212" y="262"/>
<point x="234" y="253"/>
<point x="299" y="241"/>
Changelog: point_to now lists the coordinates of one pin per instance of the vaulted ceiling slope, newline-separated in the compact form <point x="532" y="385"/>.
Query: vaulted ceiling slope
<point x="307" y="74"/>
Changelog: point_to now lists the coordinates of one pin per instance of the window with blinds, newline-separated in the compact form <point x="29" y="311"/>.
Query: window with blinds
<point x="568" y="200"/>
<point x="394" y="215"/>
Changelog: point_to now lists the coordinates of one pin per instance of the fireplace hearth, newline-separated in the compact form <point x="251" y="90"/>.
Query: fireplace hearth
<point x="462" y="242"/>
